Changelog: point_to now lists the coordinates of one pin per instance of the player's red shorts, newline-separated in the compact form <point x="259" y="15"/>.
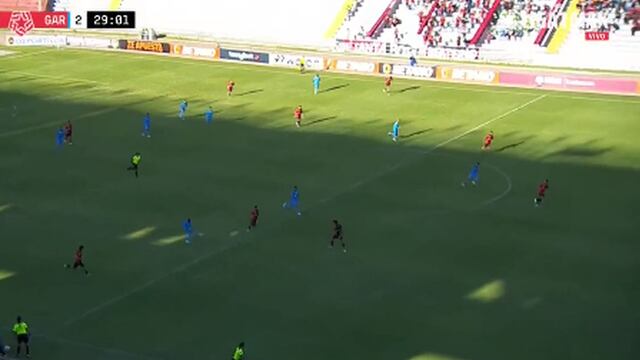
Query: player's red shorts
<point x="78" y="263"/>
<point x="254" y="221"/>
<point x="230" y="88"/>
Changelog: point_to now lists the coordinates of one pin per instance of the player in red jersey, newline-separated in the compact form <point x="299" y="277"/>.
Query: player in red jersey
<point x="68" y="133"/>
<point x="253" y="218"/>
<point x="230" y="86"/>
<point x="488" y="139"/>
<point x="387" y="84"/>
<point x="78" y="261"/>
<point x="542" y="189"/>
<point x="298" y="114"/>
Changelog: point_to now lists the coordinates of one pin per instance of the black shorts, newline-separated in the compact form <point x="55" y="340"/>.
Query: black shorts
<point x="337" y="236"/>
<point x="23" y="339"/>
<point x="78" y="263"/>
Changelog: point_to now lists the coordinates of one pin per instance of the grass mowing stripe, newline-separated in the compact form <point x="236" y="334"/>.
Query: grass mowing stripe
<point x="365" y="78"/>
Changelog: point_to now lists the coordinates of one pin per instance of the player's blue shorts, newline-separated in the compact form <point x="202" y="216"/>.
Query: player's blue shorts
<point x="473" y="177"/>
<point x="293" y="204"/>
<point x="395" y="133"/>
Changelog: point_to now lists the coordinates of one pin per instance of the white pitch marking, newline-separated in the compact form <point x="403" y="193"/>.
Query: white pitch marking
<point x="234" y="233"/>
<point x="56" y="123"/>
<point x="205" y="256"/>
<point x="505" y="192"/>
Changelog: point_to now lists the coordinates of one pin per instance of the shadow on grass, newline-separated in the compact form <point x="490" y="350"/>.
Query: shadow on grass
<point x="410" y="88"/>
<point x="334" y="88"/>
<point x="250" y="163"/>
<point x="510" y="146"/>
<point x="249" y="92"/>
<point x="415" y="133"/>
<point x="318" y="121"/>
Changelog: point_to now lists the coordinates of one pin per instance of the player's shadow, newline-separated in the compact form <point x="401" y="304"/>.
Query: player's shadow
<point x="415" y="133"/>
<point x="249" y="92"/>
<point x="510" y="146"/>
<point x="581" y="151"/>
<point x="318" y="121"/>
<point x="334" y="88"/>
<point x="410" y="88"/>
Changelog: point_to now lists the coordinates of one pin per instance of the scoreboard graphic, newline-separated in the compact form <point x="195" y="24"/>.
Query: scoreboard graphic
<point x="22" y="22"/>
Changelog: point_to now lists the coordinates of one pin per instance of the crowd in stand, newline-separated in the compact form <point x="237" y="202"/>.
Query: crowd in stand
<point x="453" y="23"/>
<point x="609" y="15"/>
<point x="518" y="19"/>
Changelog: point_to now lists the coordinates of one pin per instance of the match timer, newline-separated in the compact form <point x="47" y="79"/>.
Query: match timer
<point x="111" y="19"/>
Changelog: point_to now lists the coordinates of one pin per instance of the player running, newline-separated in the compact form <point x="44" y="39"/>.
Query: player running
<point x="208" y="115"/>
<point x="146" y="126"/>
<point x="77" y="262"/>
<point x="387" y="84"/>
<point x="316" y="84"/>
<point x="182" y="109"/>
<point x="488" y="139"/>
<point x="21" y="329"/>
<point x="188" y="231"/>
<point x="293" y="201"/>
<point x="230" y="86"/>
<point x="59" y="138"/>
<point x="253" y="218"/>
<point x="542" y="189"/>
<point x="298" y="114"/>
<point x="337" y="235"/>
<point x="395" y="131"/>
<point x="135" y="163"/>
<point x="473" y="175"/>
<point x="68" y="133"/>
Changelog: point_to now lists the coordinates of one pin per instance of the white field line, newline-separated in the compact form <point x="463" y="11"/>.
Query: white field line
<point x="357" y="77"/>
<point x="26" y="54"/>
<point x="504" y="193"/>
<point x="52" y="124"/>
<point x="399" y="164"/>
<point x="228" y="246"/>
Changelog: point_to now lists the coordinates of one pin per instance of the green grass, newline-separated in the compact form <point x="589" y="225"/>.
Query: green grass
<point x="434" y="271"/>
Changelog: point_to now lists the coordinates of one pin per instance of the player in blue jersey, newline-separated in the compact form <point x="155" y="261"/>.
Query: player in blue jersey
<point x="316" y="84"/>
<point x="146" y="126"/>
<point x="182" y="109"/>
<point x="188" y="231"/>
<point x="60" y="138"/>
<point x="395" y="130"/>
<point x="473" y="175"/>
<point x="293" y="202"/>
<point x="208" y="115"/>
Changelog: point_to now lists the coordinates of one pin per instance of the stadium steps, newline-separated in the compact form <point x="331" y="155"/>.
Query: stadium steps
<point x="340" y="18"/>
<point x="364" y="17"/>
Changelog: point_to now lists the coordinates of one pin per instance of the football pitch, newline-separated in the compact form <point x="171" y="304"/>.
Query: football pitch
<point x="433" y="270"/>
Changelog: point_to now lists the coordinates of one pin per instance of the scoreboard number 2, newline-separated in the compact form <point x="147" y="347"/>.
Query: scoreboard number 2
<point x="78" y="19"/>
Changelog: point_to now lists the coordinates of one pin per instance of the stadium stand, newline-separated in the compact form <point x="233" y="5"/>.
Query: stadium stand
<point x="21" y="5"/>
<point x="543" y="32"/>
<point x="275" y="21"/>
